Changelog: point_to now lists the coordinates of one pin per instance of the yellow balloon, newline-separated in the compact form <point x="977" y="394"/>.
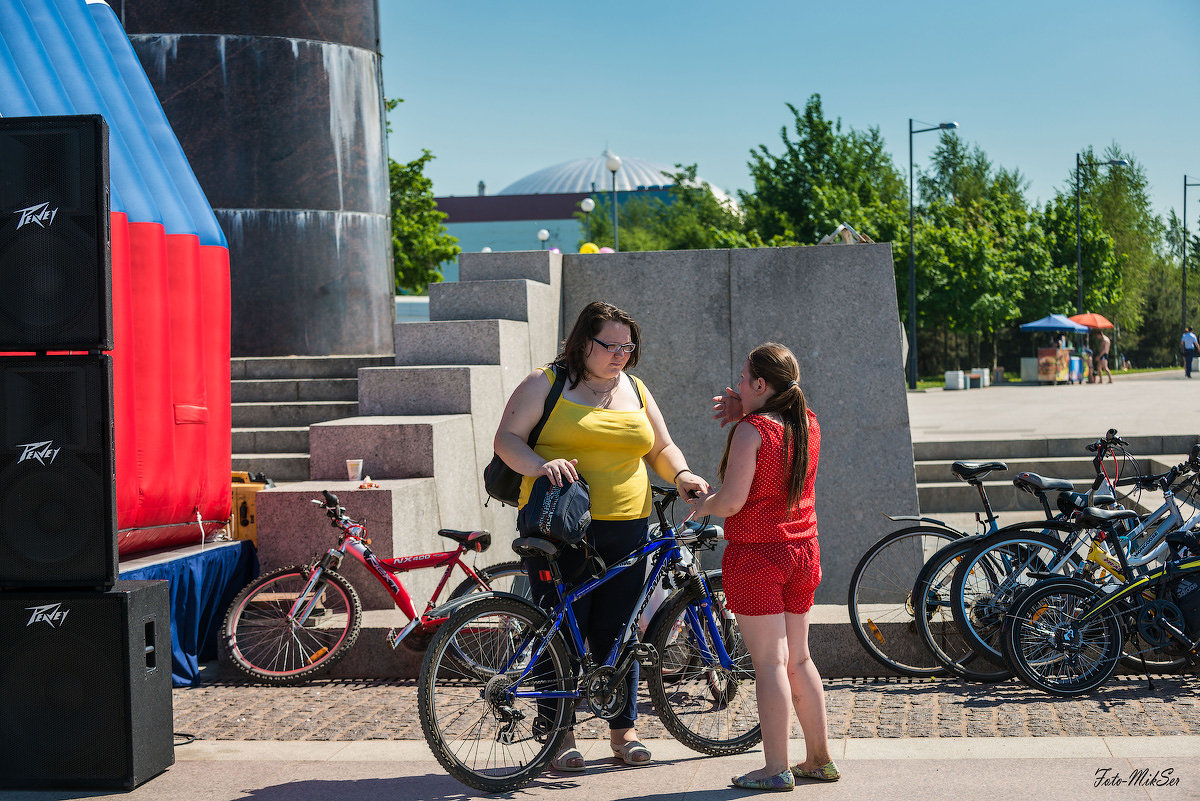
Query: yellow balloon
<point x="589" y="247"/>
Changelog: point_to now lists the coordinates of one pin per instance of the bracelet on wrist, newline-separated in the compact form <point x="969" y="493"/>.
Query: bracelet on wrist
<point x="681" y="472"/>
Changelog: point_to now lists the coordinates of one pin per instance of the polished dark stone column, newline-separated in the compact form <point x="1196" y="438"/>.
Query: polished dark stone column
<point x="279" y="108"/>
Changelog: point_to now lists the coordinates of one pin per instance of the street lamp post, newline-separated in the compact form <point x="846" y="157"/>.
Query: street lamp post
<point x="542" y="236"/>
<point x="1079" y="163"/>
<point x="1186" y="184"/>
<point x="586" y="206"/>
<point x="912" y="261"/>
<point x="613" y="162"/>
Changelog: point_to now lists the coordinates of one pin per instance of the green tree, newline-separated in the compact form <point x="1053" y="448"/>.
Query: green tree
<point x="419" y="239"/>
<point x="822" y="177"/>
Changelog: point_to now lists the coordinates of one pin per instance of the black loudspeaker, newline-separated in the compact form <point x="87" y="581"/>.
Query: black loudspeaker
<point x="85" y="687"/>
<point x="58" y="512"/>
<point x="55" y="267"/>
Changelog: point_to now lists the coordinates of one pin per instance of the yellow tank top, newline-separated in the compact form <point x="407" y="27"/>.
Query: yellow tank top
<point x="609" y="446"/>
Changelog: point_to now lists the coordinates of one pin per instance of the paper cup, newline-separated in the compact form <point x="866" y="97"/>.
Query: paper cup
<point x="354" y="469"/>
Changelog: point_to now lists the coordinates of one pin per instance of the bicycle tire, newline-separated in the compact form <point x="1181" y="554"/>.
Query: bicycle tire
<point x="504" y="577"/>
<point x="1033" y="639"/>
<point x="263" y="644"/>
<point x="936" y="626"/>
<point x="461" y="710"/>
<point x="979" y="598"/>
<point x="708" y="709"/>
<point x="880" y="602"/>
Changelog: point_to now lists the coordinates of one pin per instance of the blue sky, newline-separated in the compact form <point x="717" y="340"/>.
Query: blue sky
<point x="498" y="90"/>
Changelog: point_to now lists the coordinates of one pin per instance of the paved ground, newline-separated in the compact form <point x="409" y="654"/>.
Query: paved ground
<point x="1140" y="404"/>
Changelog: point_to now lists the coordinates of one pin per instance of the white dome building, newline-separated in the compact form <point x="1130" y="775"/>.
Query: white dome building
<point x="549" y="199"/>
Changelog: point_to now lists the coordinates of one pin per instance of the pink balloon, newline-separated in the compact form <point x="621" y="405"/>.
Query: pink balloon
<point x="607" y="250"/>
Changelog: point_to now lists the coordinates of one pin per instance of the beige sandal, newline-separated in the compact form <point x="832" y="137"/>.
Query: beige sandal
<point x="628" y="752"/>
<point x="563" y="761"/>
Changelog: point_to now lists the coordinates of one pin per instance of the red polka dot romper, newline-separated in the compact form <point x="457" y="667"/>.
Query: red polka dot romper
<point x="772" y="563"/>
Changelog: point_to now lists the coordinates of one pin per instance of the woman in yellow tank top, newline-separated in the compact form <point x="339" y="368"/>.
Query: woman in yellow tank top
<point x="607" y="428"/>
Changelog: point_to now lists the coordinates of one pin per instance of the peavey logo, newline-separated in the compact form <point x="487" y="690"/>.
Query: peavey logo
<point x="41" y="451"/>
<point x="50" y="614"/>
<point x="41" y="214"/>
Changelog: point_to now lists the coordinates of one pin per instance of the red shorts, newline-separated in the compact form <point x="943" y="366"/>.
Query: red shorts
<point x="771" y="578"/>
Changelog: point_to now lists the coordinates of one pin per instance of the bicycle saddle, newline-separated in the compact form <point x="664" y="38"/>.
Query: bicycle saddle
<point x="969" y="470"/>
<point x="1092" y="517"/>
<point x="478" y="541"/>
<point x="1071" y="502"/>
<point x="534" y="547"/>
<point x="1032" y="482"/>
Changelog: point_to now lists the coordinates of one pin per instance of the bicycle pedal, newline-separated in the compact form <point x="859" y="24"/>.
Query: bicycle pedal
<point x="646" y="655"/>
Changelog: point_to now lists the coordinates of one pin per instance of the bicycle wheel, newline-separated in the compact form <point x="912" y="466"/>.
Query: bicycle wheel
<point x="478" y="729"/>
<point x="504" y="577"/>
<point x="936" y="626"/>
<point x="1001" y="567"/>
<point x="265" y="643"/>
<point x="880" y="600"/>
<point x="705" y="706"/>
<point x="1049" y="650"/>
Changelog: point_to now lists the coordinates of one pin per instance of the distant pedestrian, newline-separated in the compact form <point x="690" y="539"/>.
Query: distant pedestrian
<point x="1188" y="344"/>
<point x="1102" y="359"/>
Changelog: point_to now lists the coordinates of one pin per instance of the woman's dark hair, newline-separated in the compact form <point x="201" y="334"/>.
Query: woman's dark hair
<point x="574" y="352"/>
<point x="777" y="365"/>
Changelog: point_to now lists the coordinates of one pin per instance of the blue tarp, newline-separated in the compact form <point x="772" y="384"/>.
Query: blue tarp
<point x="1055" y="322"/>
<point x="201" y="587"/>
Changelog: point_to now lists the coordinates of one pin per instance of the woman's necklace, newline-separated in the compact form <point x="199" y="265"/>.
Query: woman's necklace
<point x="602" y="395"/>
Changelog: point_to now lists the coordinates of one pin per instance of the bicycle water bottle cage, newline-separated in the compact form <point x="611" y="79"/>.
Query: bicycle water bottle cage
<point x="969" y="471"/>
<point x="1035" y="484"/>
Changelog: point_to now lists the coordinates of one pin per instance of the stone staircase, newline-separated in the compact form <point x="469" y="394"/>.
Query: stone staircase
<point x="432" y="410"/>
<point x="275" y="400"/>
<point x="939" y="492"/>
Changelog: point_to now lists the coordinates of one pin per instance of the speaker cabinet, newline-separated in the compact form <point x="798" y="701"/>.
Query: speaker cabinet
<point x="58" y="517"/>
<point x="55" y="267"/>
<point x="85" y="687"/>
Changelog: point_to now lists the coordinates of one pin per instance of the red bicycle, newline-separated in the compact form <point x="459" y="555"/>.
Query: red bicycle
<point x="295" y="622"/>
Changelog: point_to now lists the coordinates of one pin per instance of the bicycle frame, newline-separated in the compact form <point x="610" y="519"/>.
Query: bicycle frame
<point x="353" y="540"/>
<point x="664" y="550"/>
<point x="1135" y="587"/>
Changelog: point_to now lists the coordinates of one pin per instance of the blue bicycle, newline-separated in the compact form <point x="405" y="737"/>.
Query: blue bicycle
<point x="502" y="678"/>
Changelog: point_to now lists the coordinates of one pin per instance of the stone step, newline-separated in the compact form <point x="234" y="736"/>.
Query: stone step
<point x="504" y="343"/>
<point x="1013" y="449"/>
<point x="957" y="496"/>
<point x="255" y="367"/>
<point x="289" y="390"/>
<point x="275" y="415"/>
<point x="280" y="467"/>
<point x="405" y="446"/>
<point x="1051" y="467"/>
<point x="534" y="265"/>
<point x="279" y="439"/>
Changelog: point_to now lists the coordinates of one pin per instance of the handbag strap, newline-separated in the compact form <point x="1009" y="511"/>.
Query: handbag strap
<point x="560" y="378"/>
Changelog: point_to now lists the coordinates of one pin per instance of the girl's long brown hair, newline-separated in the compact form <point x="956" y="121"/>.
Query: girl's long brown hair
<point x="777" y="365"/>
<point x="575" y="349"/>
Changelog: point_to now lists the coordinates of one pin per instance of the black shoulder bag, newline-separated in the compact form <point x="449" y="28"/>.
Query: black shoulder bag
<point x="499" y="480"/>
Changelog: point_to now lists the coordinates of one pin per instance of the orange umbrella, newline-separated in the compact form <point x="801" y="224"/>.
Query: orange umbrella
<point x="1091" y="320"/>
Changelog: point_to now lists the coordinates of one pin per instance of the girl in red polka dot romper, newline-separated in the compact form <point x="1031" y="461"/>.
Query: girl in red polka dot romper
<point x="772" y="564"/>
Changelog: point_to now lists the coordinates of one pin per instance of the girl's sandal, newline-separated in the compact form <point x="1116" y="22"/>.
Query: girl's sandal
<point x="631" y="753"/>
<point x="569" y="761"/>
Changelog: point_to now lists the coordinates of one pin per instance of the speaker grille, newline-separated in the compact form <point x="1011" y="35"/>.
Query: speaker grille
<point x="57" y="488"/>
<point x="54" y="234"/>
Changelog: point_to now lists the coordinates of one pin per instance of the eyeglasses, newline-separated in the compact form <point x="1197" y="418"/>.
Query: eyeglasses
<point x="613" y="347"/>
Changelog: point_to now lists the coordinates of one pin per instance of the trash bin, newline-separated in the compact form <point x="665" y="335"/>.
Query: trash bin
<point x="955" y="379"/>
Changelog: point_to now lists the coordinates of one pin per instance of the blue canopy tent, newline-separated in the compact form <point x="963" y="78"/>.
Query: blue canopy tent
<point x="1055" y="322"/>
